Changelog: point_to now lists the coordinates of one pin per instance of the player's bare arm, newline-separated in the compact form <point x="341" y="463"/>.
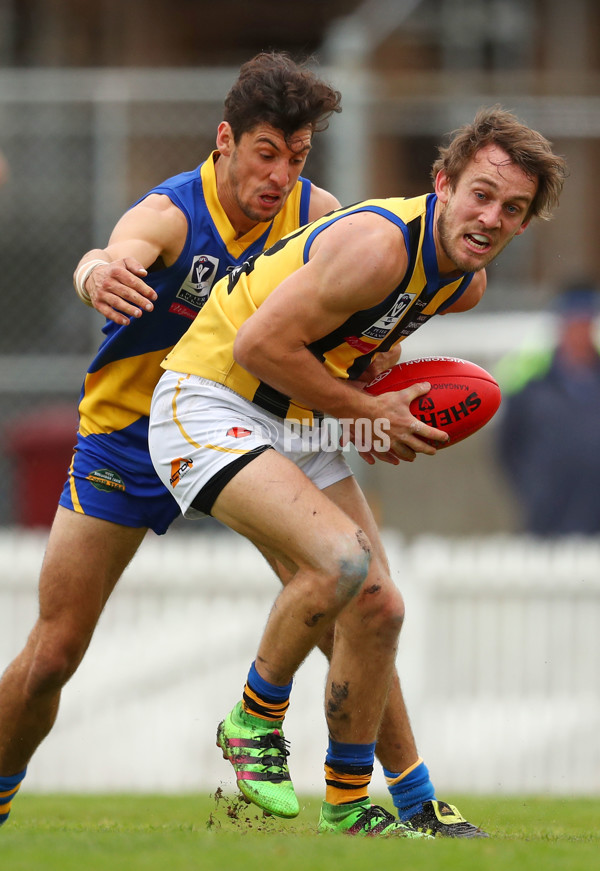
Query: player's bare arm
<point x="472" y="295"/>
<point x="381" y="361"/>
<point x="354" y="264"/>
<point x="321" y="203"/>
<point x="153" y="232"/>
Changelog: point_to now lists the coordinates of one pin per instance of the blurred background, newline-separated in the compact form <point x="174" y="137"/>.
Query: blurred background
<point x="97" y="106"/>
<point x="99" y="102"/>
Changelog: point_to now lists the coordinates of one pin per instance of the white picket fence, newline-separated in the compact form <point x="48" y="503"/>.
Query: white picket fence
<point x="499" y="659"/>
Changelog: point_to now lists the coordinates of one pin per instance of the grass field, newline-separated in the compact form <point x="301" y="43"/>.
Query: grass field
<point x="154" y="833"/>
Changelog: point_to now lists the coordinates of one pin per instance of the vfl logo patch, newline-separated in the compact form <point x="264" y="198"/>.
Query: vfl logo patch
<point x="238" y="432"/>
<point x="198" y="284"/>
<point x="178" y="469"/>
<point x="386" y="323"/>
<point x="106" y="480"/>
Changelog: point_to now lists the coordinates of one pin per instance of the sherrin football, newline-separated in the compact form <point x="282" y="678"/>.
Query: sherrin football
<point x="462" y="399"/>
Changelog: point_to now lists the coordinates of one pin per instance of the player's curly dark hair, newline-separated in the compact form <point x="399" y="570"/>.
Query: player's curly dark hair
<point x="273" y="89"/>
<point x="525" y="147"/>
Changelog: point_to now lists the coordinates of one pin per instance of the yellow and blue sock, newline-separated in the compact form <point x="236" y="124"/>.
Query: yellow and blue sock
<point x="9" y="786"/>
<point x="263" y="699"/>
<point x="348" y="771"/>
<point x="410" y="789"/>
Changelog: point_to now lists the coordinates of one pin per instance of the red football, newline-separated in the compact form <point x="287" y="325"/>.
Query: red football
<point x="462" y="399"/>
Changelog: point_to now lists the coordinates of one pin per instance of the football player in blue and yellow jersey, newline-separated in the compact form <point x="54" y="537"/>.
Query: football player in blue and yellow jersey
<point x="284" y="339"/>
<point x="151" y="280"/>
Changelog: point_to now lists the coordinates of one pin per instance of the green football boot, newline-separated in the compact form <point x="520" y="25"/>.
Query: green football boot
<point x="258" y="752"/>
<point x="366" y="820"/>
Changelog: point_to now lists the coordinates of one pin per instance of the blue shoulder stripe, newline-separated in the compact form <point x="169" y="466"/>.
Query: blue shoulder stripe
<point x="342" y="213"/>
<point x="304" y="200"/>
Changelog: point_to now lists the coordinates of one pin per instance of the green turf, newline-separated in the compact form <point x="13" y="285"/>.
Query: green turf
<point x="148" y="833"/>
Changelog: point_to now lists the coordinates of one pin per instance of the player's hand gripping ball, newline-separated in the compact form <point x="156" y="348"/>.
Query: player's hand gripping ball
<point x="462" y="399"/>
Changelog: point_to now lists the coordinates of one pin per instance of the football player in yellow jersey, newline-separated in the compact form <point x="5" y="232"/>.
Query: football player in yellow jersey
<point x="282" y="337"/>
<point x="148" y="284"/>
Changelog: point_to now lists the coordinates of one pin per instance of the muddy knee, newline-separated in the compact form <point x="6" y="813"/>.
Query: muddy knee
<point x="381" y="607"/>
<point x="353" y="561"/>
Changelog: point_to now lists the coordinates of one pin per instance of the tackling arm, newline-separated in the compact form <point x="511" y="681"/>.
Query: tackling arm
<point x="111" y="279"/>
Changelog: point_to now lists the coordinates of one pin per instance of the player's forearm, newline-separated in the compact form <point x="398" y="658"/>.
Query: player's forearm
<point x="299" y="375"/>
<point x="94" y="254"/>
<point x="85" y="267"/>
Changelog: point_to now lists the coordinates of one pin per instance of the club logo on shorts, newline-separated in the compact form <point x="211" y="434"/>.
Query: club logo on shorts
<point x="106" y="480"/>
<point x="238" y="432"/>
<point x="178" y="469"/>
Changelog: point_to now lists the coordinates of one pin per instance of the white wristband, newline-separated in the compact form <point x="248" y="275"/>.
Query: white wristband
<point x="82" y="275"/>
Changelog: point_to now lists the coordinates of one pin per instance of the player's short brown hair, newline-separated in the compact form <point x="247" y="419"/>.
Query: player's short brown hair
<point x="274" y="89"/>
<point x="526" y="148"/>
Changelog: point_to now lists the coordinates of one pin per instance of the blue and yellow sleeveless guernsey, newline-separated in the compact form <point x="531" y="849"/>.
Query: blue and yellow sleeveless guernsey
<point x="117" y="391"/>
<point x="207" y="348"/>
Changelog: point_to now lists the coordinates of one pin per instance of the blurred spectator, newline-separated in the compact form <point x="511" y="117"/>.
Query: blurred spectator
<point x="549" y="430"/>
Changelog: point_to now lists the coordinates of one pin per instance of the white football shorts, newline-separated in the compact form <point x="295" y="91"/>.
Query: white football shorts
<point x="202" y="433"/>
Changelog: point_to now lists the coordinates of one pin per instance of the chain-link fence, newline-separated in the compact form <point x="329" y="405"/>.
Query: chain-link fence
<point x="82" y="145"/>
<point x="80" y="148"/>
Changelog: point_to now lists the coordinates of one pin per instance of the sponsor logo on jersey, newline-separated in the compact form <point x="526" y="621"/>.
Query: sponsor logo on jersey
<point x="238" y="432"/>
<point x="106" y="480"/>
<point x="380" y="329"/>
<point x="177" y="308"/>
<point x="198" y="284"/>
<point x="359" y="344"/>
<point x="179" y="467"/>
